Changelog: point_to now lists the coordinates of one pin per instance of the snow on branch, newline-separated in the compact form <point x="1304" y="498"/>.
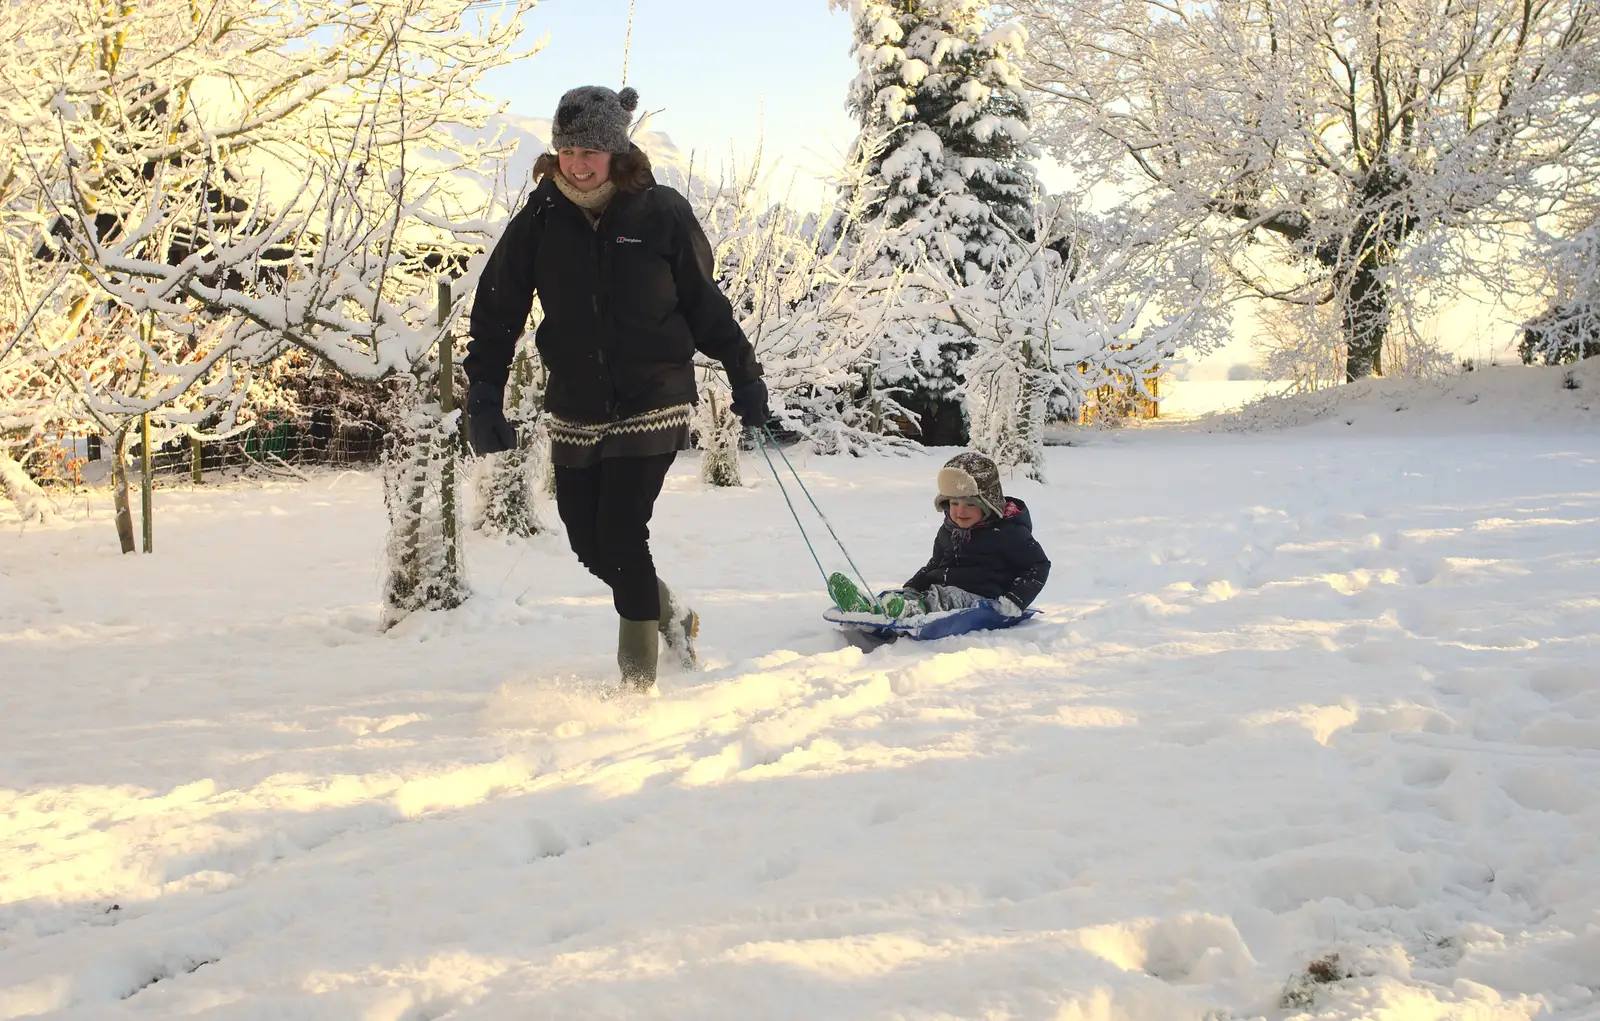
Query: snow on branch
<point x="1377" y="158"/>
<point x="192" y="190"/>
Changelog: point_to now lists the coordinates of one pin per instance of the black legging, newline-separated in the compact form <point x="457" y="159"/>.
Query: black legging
<point x="606" y="510"/>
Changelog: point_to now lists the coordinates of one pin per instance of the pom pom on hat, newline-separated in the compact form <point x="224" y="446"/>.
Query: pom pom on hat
<point x="628" y="98"/>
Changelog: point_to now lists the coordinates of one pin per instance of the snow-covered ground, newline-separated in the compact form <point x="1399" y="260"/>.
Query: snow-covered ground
<point x="1296" y="694"/>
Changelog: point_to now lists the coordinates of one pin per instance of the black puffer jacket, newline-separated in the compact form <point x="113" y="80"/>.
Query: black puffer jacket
<point x="997" y="557"/>
<point x="626" y="305"/>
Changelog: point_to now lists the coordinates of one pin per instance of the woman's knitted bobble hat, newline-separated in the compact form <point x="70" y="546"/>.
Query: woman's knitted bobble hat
<point x="594" y="117"/>
<point x="971" y="477"/>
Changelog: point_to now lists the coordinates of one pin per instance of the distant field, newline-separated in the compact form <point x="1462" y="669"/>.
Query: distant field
<point x="1193" y="398"/>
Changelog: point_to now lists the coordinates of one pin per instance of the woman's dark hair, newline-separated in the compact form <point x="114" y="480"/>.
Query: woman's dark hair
<point x="630" y="171"/>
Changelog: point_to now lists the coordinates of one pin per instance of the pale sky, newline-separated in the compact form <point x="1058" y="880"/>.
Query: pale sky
<point x="724" y="73"/>
<point x="728" y="74"/>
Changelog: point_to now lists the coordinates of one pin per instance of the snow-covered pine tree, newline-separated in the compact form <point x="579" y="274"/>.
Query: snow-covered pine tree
<point x="941" y="84"/>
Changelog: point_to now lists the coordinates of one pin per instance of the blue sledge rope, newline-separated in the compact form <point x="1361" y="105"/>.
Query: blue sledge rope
<point x="763" y="437"/>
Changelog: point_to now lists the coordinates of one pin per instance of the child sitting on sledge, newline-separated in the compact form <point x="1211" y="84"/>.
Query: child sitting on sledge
<point x="984" y="550"/>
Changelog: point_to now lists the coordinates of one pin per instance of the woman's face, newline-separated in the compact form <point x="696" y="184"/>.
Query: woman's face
<point x="965" y="513"/>
<point x="587" y="169"/>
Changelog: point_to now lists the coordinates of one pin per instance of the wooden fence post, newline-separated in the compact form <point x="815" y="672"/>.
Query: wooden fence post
<point x="146" y="483"/>
<point x="447" y="369"/>
<point x="447" y="470"/>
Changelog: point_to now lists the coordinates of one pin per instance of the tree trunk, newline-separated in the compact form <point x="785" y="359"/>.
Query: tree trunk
<point x="875" y="424"/>
<point x="1366" y="322"/>
<point x="941" y="420"/>
<point x="119" y="488"/>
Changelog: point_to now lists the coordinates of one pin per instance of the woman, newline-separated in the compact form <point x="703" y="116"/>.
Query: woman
<point x="624" y="274"/>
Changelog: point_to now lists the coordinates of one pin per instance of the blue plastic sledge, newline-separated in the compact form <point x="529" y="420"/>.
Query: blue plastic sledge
<point x="929" y="626"/>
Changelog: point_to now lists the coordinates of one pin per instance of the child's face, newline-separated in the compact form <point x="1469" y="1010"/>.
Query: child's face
<point x="965" y="513"/>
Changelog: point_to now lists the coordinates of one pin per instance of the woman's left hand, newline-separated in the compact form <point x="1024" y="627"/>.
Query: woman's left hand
<point x="750" y="404"/>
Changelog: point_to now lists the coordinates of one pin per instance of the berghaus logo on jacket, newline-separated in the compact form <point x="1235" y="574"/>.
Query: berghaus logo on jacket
<point x="629" y="241"/>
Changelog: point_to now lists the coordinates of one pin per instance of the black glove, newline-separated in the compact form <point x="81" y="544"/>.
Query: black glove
<point x="487" y="428"/>
<point x="750" y="403"/>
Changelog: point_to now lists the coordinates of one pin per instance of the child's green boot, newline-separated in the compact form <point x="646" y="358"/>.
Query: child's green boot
<point x="899" y="603"/>
<point x="846" y="596"/>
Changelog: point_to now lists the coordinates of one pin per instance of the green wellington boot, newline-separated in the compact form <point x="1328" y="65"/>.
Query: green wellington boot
<point x="900" y="602"/>
<point x="638" y="646"/>
<point x="896" y="603"/>
<point x="847" y="597"/>
<point x="680" y="626"/>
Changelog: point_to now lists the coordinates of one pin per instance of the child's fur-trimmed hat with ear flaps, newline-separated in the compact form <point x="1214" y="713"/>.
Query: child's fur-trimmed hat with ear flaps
<point x="971" y="477"/>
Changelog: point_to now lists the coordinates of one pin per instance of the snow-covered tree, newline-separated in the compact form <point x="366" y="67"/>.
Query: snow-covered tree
<point x="939" y="93"/>
<point x="1372" y="156"/>
<point x="814" y="296"/>
<point x="1094" y="308"/>
<point x="1569" y="328"/>
<point x="189" y="189"/>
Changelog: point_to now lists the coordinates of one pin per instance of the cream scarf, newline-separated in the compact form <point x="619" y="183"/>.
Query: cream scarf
<point x="593" y="203"/>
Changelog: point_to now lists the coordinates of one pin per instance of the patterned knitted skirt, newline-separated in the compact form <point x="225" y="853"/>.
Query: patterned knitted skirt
<point x="582" y="445"/>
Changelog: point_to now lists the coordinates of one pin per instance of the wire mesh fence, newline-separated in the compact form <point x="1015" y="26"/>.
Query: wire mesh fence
<point x="317" y="419"/>
<point x="316" y="439"/>
<point x="321" y="439"/>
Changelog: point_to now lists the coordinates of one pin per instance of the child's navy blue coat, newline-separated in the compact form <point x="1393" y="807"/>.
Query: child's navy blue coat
<point x="998" y="557"/>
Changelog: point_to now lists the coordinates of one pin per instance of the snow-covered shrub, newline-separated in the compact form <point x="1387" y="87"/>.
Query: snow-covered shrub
<point x="424" y="568"/>
<point x="1561" y="334"/>
<point x="505" y="486"/>
<point x="1569" y="329"/>
<point x="509" y="484"/>
<point x="1301" y="344"/>
<point x="31" y="502"/>
<point x="718" y="431"/>
<point x="1073" y="325"/>
<point x="1006" y="410"/>
<point x="1300" y="992"/>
